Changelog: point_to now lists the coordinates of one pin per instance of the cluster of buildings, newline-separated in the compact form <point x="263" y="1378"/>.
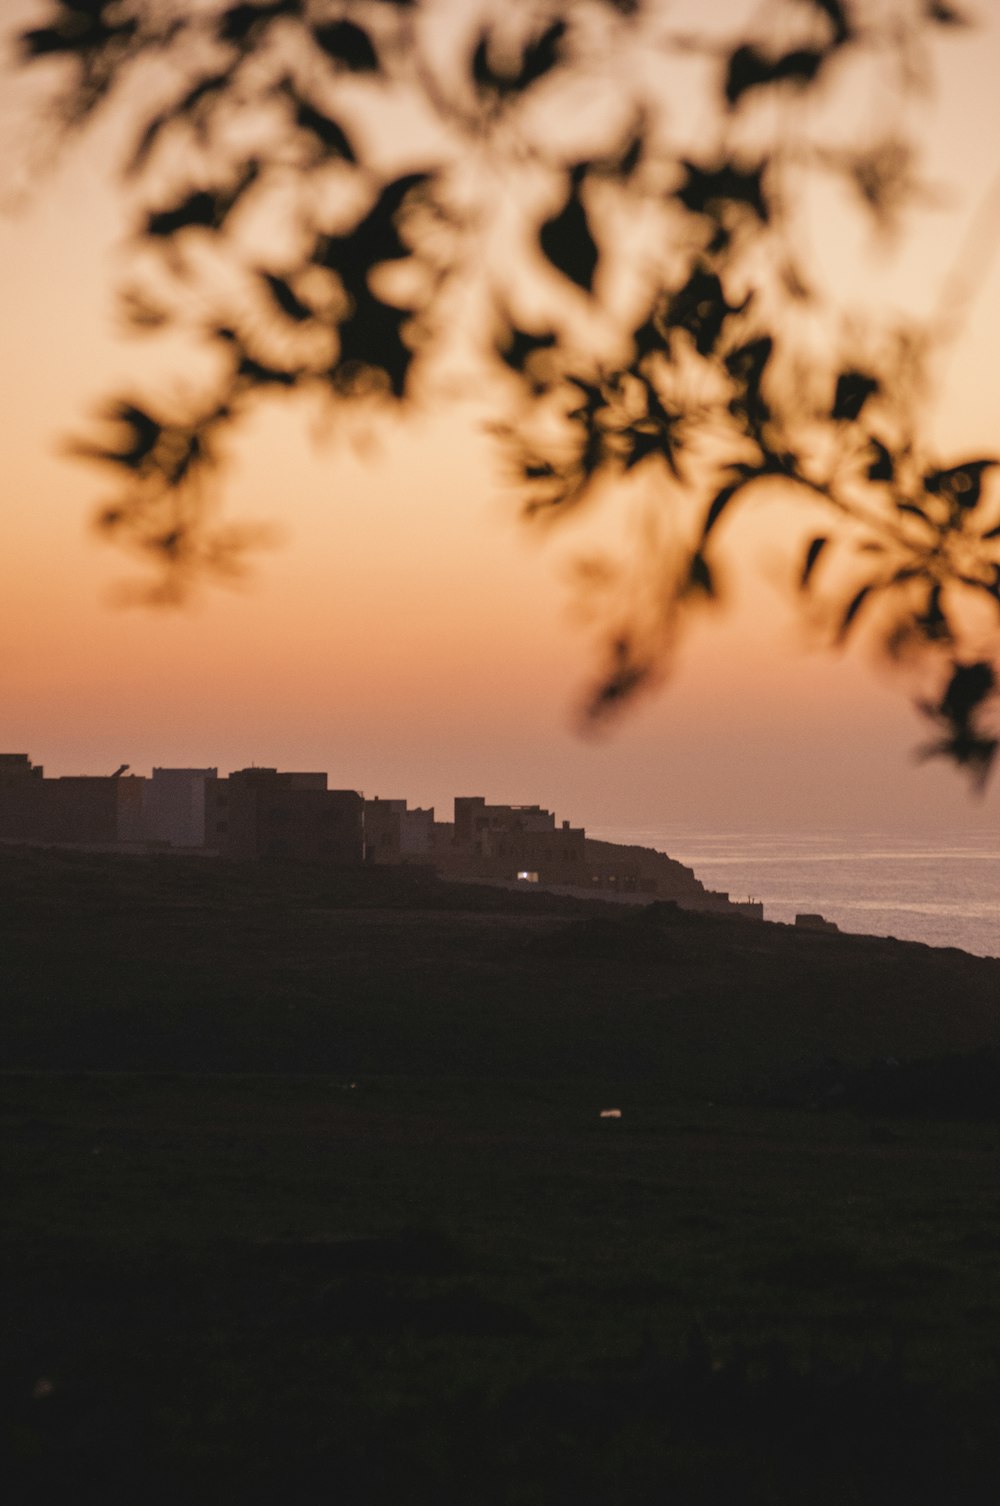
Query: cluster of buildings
<point x="261" y="813"/>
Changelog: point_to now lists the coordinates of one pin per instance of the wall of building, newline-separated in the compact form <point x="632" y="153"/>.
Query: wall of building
<point x="261" y="813"/>
<point x="395" y="833"/>
<point x="20" y="797"/>
<point x="174" y="808"/>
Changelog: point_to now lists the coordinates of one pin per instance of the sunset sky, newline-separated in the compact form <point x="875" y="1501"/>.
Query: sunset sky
<point x="406" y="632"/>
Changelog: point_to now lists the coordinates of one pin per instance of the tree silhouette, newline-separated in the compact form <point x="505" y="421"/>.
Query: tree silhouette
<point x="337" y="196"/>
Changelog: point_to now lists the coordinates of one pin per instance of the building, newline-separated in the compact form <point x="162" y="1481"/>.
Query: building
<point x="812" y="922"/>
<point x="511" y="843"/>
<point x="20" y="797"/>
<point x="174" y="807"/>
<point x="266" y="813"/>
<point x="523" y="844"/>
<point x="395" y="833"/>
<point x="79" y="810"/>
<point x="261" y="813"/>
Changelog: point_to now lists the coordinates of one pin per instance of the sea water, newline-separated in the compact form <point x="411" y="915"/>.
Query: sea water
<point x="942" y="890"/>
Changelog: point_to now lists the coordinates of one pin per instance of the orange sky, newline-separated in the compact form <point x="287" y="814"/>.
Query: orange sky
<point x="407" y="635"/>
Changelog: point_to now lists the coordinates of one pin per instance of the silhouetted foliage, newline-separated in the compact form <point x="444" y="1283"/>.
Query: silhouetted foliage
<point x="638" y="302"/>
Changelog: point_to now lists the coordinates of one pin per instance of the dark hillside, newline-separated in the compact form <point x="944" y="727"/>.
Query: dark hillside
<point x="130" y="964"/>
<point x="308" y="1197"/>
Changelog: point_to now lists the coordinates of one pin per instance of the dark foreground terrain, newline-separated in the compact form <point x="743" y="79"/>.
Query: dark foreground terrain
<point x="308" y="1198"/>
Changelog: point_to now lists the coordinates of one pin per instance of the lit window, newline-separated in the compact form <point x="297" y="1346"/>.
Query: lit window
<point x="525" y="877"/>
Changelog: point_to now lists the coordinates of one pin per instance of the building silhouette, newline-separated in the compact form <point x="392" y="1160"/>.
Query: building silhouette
<point x="267" y="814"/>
<point x="261" y="813"/>
<point x="174" y="806"/>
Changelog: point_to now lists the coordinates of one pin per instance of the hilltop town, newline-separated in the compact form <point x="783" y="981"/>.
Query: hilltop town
<point x="268" y="814"/>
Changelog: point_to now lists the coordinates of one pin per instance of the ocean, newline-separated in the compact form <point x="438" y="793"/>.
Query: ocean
<point x="944" y="891"/>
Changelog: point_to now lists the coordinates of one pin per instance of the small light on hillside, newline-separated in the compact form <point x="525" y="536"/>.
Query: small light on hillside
<point x="611" y="1113"/>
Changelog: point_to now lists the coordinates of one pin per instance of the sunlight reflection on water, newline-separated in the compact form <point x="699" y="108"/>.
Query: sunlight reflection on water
<point x="945" y="892"/>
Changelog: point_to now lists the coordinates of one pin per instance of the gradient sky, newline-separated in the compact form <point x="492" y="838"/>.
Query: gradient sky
<point x="407" y="634"/>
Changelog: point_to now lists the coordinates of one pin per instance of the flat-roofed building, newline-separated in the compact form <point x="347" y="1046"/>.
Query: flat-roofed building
<point x="20" y="797"/>
<point x="398" y="833"/>
<point x="266" y="813"/>
<point x="174" y="806"/>
<point x="76" y="810"/>
<point x="512" y="842"/>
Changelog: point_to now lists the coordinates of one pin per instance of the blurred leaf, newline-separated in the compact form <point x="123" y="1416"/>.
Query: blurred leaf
<point x="349" y="44"/>
<point x="945" y="15"/>
<point x="965" y="743"/>
<point x="853" y="608"/>
<point x="967" y="689"/>
<point x="914" y="511"/>
<point x="882" y="467"/>
<point x="242" y="25"/>
<point x="854" y="388"/>
<point x="933" y="622"/>
<point x="746" y="363"/>
<point x="145" y="434"/>
<point x="800" y="67"/>
<point x="568" y="244"/>
<point x="627" y="675"/>
<point x="81" y="29"/>
<point x="516" y="346"/>
<point x="184" y="108"/>
<point x="747" y="69"/>
<point x="199" y="208"/>
<point x="539" y="58"/>
<point x="836" y="11"/>
<point x="648" y="337"/>
<point x="667" y="424"/>
<point x="594" y="397"/>
<point x="287" y="300"/>
<point x="750" y="69"/>
<point x="700" y="575"/>
<point x="643" y="441"/>
<point x="708" y="190"/>
<point x="961" y="485"/>
<point x="700" y="307"/>
<point x="326" y="131"/>
<point x="374" y="239"/>
<point x="258" y="374"/>
<point x="745" y="366"/>
<point x="372" y="337"/>
<point x="45" y="41"/>
<point x="482" y="73"/>
<point x="630" y="156"/>
<point x="813" y="553"/>
<point x="206" y="208"/>
<point x="721" y="501"/>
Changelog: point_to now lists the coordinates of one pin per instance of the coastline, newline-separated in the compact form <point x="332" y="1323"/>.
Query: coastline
<point x="941" y="889"/>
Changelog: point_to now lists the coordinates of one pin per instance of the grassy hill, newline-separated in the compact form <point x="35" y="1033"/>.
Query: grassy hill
<point x="308" y="1197"/>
